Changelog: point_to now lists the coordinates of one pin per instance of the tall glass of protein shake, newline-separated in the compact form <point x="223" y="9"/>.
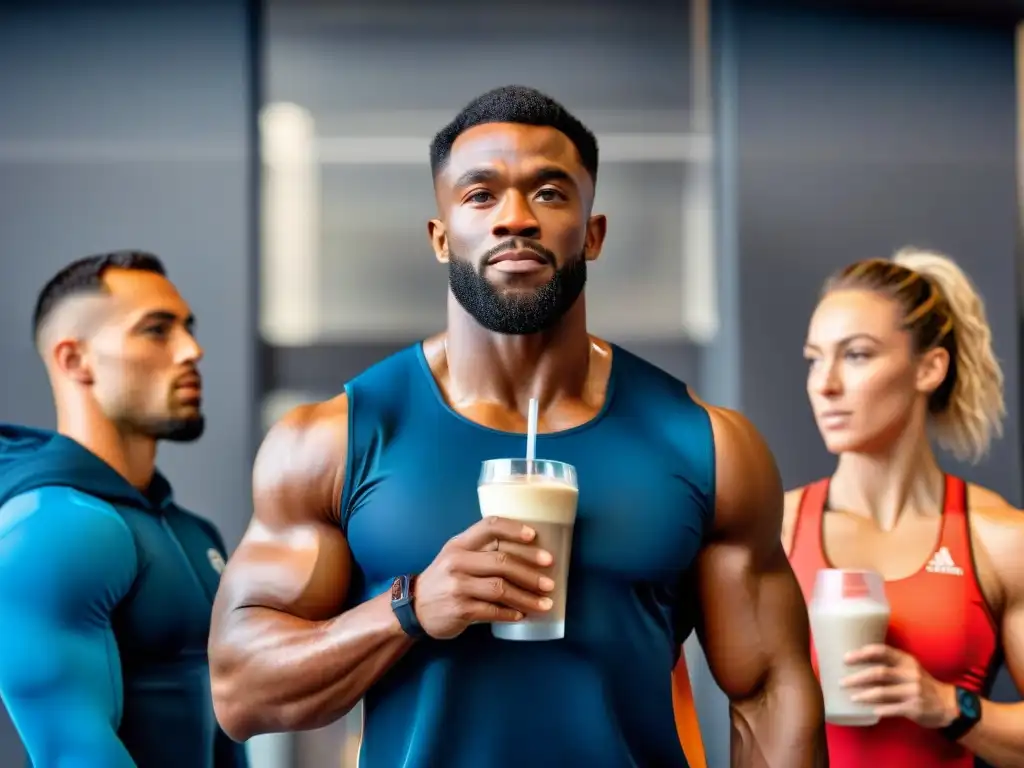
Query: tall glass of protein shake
<point x="848" y="611"/>
<point x="543" y="495"/>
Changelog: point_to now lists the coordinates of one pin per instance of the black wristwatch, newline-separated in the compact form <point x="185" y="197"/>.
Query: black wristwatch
<point x="401" y="604"/>
<point x="969" y="706"/>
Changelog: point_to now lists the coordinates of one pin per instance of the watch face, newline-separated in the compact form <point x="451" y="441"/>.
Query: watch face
<point x="969" y="705"/>
<point x="396" y="589"/>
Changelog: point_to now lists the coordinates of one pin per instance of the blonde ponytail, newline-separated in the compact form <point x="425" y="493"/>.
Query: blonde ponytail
<point x="973" y="416"/>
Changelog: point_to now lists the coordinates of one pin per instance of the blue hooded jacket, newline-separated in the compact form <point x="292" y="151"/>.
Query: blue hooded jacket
<point x="105" y="601"/>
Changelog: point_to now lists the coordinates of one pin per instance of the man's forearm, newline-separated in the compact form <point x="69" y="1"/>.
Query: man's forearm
<point x="998" y="738"/>
<point x="274" y="672"/>
<point x="782" y="725"/>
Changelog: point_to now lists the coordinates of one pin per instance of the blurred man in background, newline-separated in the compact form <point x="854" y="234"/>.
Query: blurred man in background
<point x="106" y="585"/>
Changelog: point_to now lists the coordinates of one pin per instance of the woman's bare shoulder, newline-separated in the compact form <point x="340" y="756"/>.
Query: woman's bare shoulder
<point x="791" y="506"/>
<point x="999" y="527"/>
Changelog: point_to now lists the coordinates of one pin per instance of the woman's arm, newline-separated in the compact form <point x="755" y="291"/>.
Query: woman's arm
<point x="998" y="738"/>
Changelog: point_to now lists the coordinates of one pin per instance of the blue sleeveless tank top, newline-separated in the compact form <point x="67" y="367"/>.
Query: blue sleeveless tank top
<point x="602" y="696"/>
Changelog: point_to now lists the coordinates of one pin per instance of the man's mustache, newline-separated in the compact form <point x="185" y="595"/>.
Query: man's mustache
<point x="519" y="244"/>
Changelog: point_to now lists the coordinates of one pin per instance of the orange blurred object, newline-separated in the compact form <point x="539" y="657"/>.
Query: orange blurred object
<point x="687" y="723"/>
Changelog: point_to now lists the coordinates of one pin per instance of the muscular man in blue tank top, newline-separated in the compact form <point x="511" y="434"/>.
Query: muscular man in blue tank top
<point x="368" y="498"/>
<point x="106" y="584"/>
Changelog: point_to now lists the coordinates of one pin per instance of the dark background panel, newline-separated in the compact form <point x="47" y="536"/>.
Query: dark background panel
<point x="130" y="125"/>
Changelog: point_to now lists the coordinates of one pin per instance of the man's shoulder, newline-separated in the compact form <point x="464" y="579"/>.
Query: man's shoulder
<point x="60" y="510"/>
<point x="640" y="370"/>
<point x="653" y="393"/>
<point x="736" y="437"/>
<point x="748" y="485"/>
<point x="64" y="534"/>
<point x="395" y="369"/>
<point x="302" y="460"/>
<point x="308" y="428"/>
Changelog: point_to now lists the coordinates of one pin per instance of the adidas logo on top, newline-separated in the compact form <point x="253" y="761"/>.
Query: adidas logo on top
<point x="942" y="562"/>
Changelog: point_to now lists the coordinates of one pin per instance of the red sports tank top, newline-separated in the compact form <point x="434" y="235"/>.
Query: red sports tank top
<point x="938" y="615"/>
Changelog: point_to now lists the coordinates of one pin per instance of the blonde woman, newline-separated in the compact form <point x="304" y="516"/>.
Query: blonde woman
<point x="900" y="352"/>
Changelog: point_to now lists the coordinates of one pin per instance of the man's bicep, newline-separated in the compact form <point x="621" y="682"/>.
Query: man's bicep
<point x="754" y="621"/>
<point x="61" y="687"/>
<point x="65" y="561"/>
<point x="301" y="570"/>
<point x="294" y="556"/>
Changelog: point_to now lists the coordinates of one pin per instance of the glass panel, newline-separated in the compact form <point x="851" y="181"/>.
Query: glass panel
<point x="354" y="98"/>
<point x="376" y="276"/>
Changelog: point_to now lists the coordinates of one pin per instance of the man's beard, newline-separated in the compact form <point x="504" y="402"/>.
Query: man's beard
<point x="175" y="430"/>
<point x="516" y="313"/>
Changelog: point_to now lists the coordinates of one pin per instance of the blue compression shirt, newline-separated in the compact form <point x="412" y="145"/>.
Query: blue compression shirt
<point x="105" y="600"/>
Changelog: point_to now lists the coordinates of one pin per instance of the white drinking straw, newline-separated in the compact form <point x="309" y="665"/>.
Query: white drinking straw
<point x="531" y="435"/>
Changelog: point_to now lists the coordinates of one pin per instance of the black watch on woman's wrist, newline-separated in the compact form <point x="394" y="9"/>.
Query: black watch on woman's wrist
<point x="968" y="705"/>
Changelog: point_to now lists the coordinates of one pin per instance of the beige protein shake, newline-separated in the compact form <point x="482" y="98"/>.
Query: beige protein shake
<point x="543" y="495"/>
<point x="848" y="611"/>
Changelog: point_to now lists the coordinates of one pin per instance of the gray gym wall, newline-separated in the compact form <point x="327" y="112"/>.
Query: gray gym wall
<point x="129" y="125"/>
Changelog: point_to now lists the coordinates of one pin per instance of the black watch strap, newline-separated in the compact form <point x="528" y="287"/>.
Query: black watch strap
<point x="401" y="604"/>
<point x="968" y="705"/>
